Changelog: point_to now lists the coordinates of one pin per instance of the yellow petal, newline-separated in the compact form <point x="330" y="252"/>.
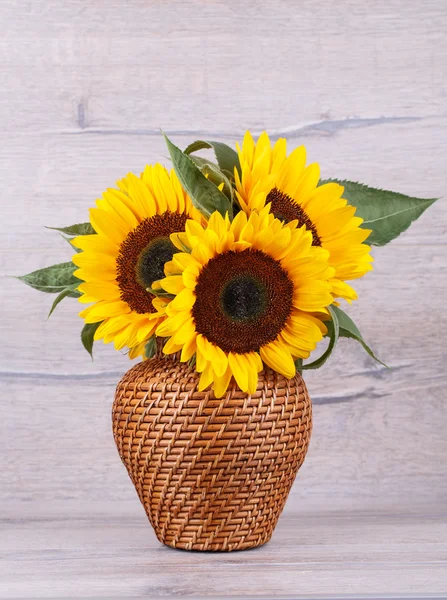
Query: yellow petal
<point x="214" y="354"/>
<point x="278" y="358"/>
<point x="142" y="196"/>
<point x="94" y="273"/>
<point x="137" y="351"/>
<point x="252" y="372"/>
<point x="217" y="224"/>
<point x="341" y="289"/>
<point x="96" y="243"/>
<point x="118" y="211"/>
<point x="202" y="253"/>
<point x="221" y="383"/>
<point x="172" y="324"/>
<point x="105" y="225"/>
<point x="206" y="378"/>
<point x="184" y="300"/>
<point x="188" y="349"/>
<point x="170" y="347"/>
<point x="146" y="330"/>
<point x="173" y="284"/>
<point x="180" y="241"/>
<point x="190" y="278"/>
<point x="201" y="361"/>
<point x="103" y="310"/>
<point x="185" y="333"/>
<point x="100" y="263"/>
<point x="101" y="291"/>
<point x="122" y="338"/>
<point x="194" y="232"/>
<point x="239" y="366"/>
<point x="182" y="261"/>
<point x="238" y="224"/>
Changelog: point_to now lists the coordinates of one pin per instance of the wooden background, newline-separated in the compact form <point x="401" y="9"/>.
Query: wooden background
<point x="85" y="88"/>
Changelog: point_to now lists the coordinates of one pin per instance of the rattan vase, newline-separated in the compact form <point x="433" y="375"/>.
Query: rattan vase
<point x="212" y="474"/>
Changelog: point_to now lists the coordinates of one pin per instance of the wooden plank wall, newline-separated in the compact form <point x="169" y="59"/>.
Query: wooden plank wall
<point x="85" y="89"/>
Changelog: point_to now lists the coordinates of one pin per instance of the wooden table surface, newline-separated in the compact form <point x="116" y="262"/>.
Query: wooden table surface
<point x="85" y="88"/>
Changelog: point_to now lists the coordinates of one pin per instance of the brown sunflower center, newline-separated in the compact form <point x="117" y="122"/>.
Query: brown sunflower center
<point x="285" y="209"/>
<point x="142" y="257"/>
<point x="243" y="300"/>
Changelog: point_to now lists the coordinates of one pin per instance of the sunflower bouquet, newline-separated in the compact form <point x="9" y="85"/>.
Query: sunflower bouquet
<point x="237" y="267"/>
<point x="233" y="264"/>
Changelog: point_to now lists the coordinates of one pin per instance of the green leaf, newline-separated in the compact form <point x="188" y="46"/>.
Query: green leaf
<point x="333" y="334"/>
<point x="387" y="214"/>
<point x="204" y="194"/>
<point x="69" y="241"/>
<point x="74" y="230"/>
<point x="87" y="334"/>
<point x="69" y="292"/>
<point x="348" y="329"/>
<point x="226" y="157"/>
<point x="150" y="348"/>
<point x="216" y="176"/>
<point x="52" y="280"/>
<point x="201" y="162"/>
<point x="299" y="365"/>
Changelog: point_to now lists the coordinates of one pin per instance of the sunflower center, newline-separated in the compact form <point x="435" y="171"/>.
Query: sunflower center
<point x="286" y="209"/>
<point x="151" y="262"/>
<point x="243" y="300"/>
<point x="142" y="256"/>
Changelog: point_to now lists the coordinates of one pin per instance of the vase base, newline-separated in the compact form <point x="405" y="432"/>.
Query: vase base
<point x="221" y="546"/>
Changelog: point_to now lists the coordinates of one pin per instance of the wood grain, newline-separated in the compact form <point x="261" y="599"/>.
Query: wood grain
<point x="85" y="89"/>
<point x="108" y="552"/>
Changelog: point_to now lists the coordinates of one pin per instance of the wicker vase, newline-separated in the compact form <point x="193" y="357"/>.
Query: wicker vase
<point x="212" y="474"/>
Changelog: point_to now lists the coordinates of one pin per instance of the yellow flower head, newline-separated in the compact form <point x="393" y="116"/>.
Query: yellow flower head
<point x="244" y="293"/>
<point x="127" y="254"/>
<point x="270" y="177"/>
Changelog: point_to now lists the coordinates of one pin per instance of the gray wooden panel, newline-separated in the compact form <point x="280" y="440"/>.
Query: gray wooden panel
<point x="219" y="67"/>
<point x="108" y="551"/>
<point x="85" y="89"/>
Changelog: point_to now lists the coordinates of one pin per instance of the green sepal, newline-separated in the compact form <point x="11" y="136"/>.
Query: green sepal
<point x="204" y="194"/>
<point x="348" y="329"/>
<point x="52" y="280"/>
<point x="299" y="365"/>
<point x="77" y="229"/>
<point x="333" y="334"/>
<point x="69" y="292"/>
<point x="184" y="248"/>
<point x="87" y="336"/>
<point x="226" y="157"/>
<point x="386" y="214"/>
<point x="159" y="292"/>
<point x="150" y="349"/>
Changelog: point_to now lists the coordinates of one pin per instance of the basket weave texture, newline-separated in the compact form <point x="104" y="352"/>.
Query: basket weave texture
<point x="212" y="474"/>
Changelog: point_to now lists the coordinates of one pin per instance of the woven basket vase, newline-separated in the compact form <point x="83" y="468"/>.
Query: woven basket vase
<point x="212" y="474"/>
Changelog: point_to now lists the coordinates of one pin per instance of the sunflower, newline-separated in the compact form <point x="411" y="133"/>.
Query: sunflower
<point x="243" y="295"/>
<point x="127" y="254"/>
<point x="270" y="177"/>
